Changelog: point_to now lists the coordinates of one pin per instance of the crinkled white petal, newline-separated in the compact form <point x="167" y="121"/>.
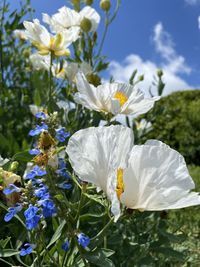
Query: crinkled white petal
<point x="96" y="154"/>
<point x="35" y="32"/>
<point x="157" y="179"/>
<point x="91" y="14"/>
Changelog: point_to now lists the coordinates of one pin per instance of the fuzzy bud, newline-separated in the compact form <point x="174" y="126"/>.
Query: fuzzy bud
<point x="159" y="73"/>
<point x="14" y="166"/>
<point x="105" y="5"/>
<point x="89" y="2"/>
<point x="141" y="78"/>
<point x="86" y="25"/>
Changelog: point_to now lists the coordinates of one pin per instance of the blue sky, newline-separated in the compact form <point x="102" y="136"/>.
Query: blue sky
<point x="148" y="34"/>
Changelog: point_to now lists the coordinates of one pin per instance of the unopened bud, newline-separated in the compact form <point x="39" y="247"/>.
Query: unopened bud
<point x="141" y="78"/>
<point x="86" y="25"/>
<point x="159" y="73"/>
<point x="105" y="5"/>
<point x="93" y="79"/>
<point x="76" y="4"/>
<point x="89" y="2"/>
<point x="14" y="166"/>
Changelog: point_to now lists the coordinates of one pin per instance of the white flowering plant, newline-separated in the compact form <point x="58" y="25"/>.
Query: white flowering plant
<point x="81" y="189"/>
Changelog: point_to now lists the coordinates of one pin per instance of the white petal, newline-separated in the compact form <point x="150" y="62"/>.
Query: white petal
<point x="92" y="15"/>
<point x="87" y="93"/>
<point x="159" y="179"/>
<point x="137" y="104"/>
<point x="96" y="154"/>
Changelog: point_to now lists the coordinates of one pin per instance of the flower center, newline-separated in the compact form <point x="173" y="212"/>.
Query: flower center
<point x="121" y="97"/>
<point x="120" y="182"/>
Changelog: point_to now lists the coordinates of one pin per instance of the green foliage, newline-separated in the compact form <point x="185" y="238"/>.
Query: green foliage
<point x="175" y="120"/>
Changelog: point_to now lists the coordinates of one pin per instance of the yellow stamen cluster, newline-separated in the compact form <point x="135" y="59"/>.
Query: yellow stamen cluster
<point x="55" y="47"/>
<point x="120" y="182"/>
<point x="121" y="97"/>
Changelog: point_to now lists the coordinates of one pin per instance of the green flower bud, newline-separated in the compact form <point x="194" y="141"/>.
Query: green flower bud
<point x="14" y="166"/>
<point x="141" y="78"/>
<point x="76" y="4"/>
<point x="93" y="79"/>
<point x="159" y="73"/>
<point x="105" y="5"/>
<point x="89" y="2"/>
<point x="86" y="25"/>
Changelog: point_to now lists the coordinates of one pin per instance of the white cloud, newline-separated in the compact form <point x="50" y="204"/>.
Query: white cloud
<point x="172" y="64"/>
<point x="192" y="2"/>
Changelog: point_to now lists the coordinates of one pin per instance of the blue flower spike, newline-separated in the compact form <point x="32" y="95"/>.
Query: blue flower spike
<point x="83" y="240"/>
<point x="32" y="218"/>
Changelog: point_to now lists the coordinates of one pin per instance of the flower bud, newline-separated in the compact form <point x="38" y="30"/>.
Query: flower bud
<point x="76" y="4"/>
<point x="89" y="2"/>
<point x="141" y="78"/>
<point x="14" y="166"/>
<point x="159" y="73"/>
<point x="93" y="79"/>
<point x="105" y="5"/>
<point x="86" y="25"/>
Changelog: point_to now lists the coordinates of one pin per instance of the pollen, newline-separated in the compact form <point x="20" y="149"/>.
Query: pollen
<point x="120" y="182"/>
<point x="121" y="97"/>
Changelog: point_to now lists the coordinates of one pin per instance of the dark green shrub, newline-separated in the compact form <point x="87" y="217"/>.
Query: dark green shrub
<point x="176" y="121"/>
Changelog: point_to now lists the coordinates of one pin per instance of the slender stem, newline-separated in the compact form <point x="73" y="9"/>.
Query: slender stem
<point x="1" y="45"/>
<point x="50" y="82"/>
<point x="104" y="34"/>
<point x="103" y="230"/>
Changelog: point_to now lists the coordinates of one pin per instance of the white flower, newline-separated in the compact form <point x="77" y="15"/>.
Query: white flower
<point x="66" y="70"/>
<point x="45" y="42"/>
<point x="20" y="34"/>
<point x="147" y="177"/>
<point x="69" y="20"/>
<point x="3" y="161"/>
<point x="116" y="98"/>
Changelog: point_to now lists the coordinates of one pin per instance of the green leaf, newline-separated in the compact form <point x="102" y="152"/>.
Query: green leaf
<point x="99" y="257"/>
<point x="170" y="253"/>
<point x="23" y="156"/>
<point x="4" y="242"/>
<point x="4" y="253"/>
<point x="57" y="234"/>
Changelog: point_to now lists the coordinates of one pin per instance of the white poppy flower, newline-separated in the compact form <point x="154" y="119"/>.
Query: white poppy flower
<point x="45" y="42"/>
<point x="68" y="20"/>
<point x="116" y="98"/>
<point x="147" y="177"/>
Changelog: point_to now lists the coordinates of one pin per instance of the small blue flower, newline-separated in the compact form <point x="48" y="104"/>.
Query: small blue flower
<point x="42" y="192"/>
<point x="63" y="173"/>
<point x="11" y="189"/>
<point x="34" y="151"/>
<point x="38" y="129"/>
<point x="83" y="240"/>
<point x="65" y="185"/>
<point x="12" y="211"/>
<point x="61" y="135"/>
<point x="32" y="218"/>
<point x="41" y="115"/>
<point x="27" y="250"/>
<point x="36" y="171"/>
<point x="61" y="163"/>
<point x="30" y="212"/>
<point x="32" y="223"/>
<point x="65" y="246"/>
<point x="49" y="208"/>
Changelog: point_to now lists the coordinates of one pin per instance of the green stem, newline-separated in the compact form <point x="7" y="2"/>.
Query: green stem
<point x="104" y="34"/>
<point x="50" y="82"/>
<point x="1" y="45"/>
<point x="103" y="230"/>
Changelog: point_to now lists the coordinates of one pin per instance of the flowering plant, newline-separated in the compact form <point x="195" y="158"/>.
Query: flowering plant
<point x="79" y="183"/>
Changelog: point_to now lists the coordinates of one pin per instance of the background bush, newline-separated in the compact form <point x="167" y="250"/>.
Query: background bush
<point x="175" y="120"/>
